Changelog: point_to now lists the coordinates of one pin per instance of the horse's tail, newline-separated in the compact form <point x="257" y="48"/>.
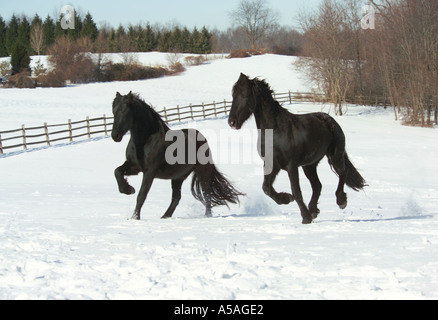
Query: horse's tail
<point x="340" y="162"/>
<point x="353" y="178"/>
<point x="219" y="190"/>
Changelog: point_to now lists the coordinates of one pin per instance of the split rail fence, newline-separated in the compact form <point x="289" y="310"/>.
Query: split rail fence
<point x="47" y="135"/>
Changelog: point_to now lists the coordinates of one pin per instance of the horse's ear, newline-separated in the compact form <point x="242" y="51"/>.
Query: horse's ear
<point x="243" y="76"/>
<point x="118" y="95"/>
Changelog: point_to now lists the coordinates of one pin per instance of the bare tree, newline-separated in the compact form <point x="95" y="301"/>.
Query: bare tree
<point x="37" y="38"/>
<point x="256" y="18"/>
<point x="328" y="48"/>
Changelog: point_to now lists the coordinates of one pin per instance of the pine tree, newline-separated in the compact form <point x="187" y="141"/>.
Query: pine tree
<point x="205" y="41"/>
<point x="11" y="33"/>
<point x="23" y="34"/>
<point x="49" y="33"/>
<point x="195" y="41"/>
<point x="20" y="59"/>
<point x="89" y="28"/>
<point x="3" y="50"/>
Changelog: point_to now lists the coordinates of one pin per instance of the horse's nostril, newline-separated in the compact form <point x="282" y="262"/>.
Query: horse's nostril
<point x="232" y="123"/>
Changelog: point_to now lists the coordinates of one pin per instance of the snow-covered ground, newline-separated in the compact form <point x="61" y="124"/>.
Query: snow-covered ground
<point x="64" y="232"/>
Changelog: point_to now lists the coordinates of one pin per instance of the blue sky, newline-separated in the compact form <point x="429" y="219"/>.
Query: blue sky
<point x="189" y="13"/>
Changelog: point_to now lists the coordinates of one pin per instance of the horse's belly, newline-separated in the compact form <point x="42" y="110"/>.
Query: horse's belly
<point x="171" y="172"/>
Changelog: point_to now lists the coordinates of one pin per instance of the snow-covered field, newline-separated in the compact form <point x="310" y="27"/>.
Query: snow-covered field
<point x="64" y="232"/>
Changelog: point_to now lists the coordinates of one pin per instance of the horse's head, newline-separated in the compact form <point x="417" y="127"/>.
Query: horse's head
<point x="123" y="117"/>
<point x="243" y="102"/>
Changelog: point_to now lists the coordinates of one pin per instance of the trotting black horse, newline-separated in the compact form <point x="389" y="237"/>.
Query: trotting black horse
<point x="148" y="152"/>
<point x="298" y="141"/>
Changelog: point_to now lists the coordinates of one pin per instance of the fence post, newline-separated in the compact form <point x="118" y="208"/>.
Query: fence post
<point x="165" y="114"/>
<point x="225" y="107"/>
<point x="290" y="97"/>
<point x="1" y="146"/>
<point x="191" y="111"/>
<point x="179" y="114"/>
<point x="203" y="110"/>
<point x="23" y="131"/>
<point x="46" y="131"/>
<point x="70" y="130"/>
<point x="215" y="111"/>
<point x="88" y="127"/>
<point x="104" y="125"/>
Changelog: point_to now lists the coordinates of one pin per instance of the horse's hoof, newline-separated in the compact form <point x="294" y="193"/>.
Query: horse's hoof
<point x="285" y="198"/>
<point x="343" y="206"/>
<point x="165" y="217"/>
<point x="307" y="221"/>
<point x="135" y="216"/>
<point x="315" y="213"/>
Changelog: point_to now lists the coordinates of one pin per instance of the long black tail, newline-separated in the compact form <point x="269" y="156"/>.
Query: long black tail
<point x="353" y="179"/>
<point x="217" y="188"/>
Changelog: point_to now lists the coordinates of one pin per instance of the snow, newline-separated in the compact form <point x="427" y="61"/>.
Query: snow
<point x="65" y="233"/>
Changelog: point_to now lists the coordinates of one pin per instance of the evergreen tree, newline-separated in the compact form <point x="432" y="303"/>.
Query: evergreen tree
<point x="49" y="33"/>
<point x="89" y="28"/>
<point x="36" y="20"/>
<point x="23" y="34"/>
<point x="12" y="33"/>
<point x="195" y="41"/>
<point x="20" y="59"/>
<point x="164" y="43"/>
<point x="151" y="38"/>
<point x="205" y="41"/>
<point x="3" y="50"/>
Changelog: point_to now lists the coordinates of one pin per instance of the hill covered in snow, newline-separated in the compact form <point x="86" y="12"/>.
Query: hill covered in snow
<point x="65" y="233"/>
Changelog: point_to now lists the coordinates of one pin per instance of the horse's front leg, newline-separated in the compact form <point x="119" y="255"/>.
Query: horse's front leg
<point x="125" y="170"/>
<point x="279" y="198"/>
<point x="295" y="183"/>
<point x="146" y="184"/>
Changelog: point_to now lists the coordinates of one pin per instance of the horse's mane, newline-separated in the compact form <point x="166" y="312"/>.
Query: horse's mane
<point x="147" y="122"/>
<point x="262" y="88"/>
<point x="142" y="107"/>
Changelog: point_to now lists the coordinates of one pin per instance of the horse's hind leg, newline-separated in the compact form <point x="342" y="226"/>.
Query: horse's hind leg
<point x="176" y="197"/>
<point x="338" y="163"/>
<point x="312" y="175"/>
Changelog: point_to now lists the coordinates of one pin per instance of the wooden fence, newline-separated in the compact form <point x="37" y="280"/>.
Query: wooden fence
<point x="47" y="135"/>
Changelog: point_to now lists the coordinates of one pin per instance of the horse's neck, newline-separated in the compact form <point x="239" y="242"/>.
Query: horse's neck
<point x="267" y="113"/>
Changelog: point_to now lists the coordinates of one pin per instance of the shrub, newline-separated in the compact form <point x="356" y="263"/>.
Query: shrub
<point x="176" y="68"/>
<point x="72" y="61"/>
<point x="244" y="53"/>
<point x="195" y="60"/>
<point x="21" y="80"/>
<point x="129" y="72"/>
<point x="52" y="79"/>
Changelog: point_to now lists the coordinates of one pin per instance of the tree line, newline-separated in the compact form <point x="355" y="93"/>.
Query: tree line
<point x="386" y="52"/>
<point x="37" y="36"/>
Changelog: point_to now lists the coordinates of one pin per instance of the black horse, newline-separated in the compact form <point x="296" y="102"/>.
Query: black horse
<point x="298" y="141"/>
<point x="148" y="152"/>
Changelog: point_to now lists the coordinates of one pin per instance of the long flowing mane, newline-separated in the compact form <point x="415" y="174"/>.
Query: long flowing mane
<point x="145" y="111"/>
<point x="146" y="123"/>
<point x="262" y="89"/>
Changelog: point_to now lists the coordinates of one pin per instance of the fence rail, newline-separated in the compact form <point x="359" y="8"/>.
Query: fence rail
<point x="71" y="131"/>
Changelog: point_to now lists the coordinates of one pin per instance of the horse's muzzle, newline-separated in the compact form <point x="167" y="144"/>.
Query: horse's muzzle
<point x="233" y="124"/>
<point x="117" y="137"/>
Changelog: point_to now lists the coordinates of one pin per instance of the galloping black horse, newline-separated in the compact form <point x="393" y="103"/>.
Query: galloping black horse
<point x="298" y="141"/>
<point x="147" y="152"/>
